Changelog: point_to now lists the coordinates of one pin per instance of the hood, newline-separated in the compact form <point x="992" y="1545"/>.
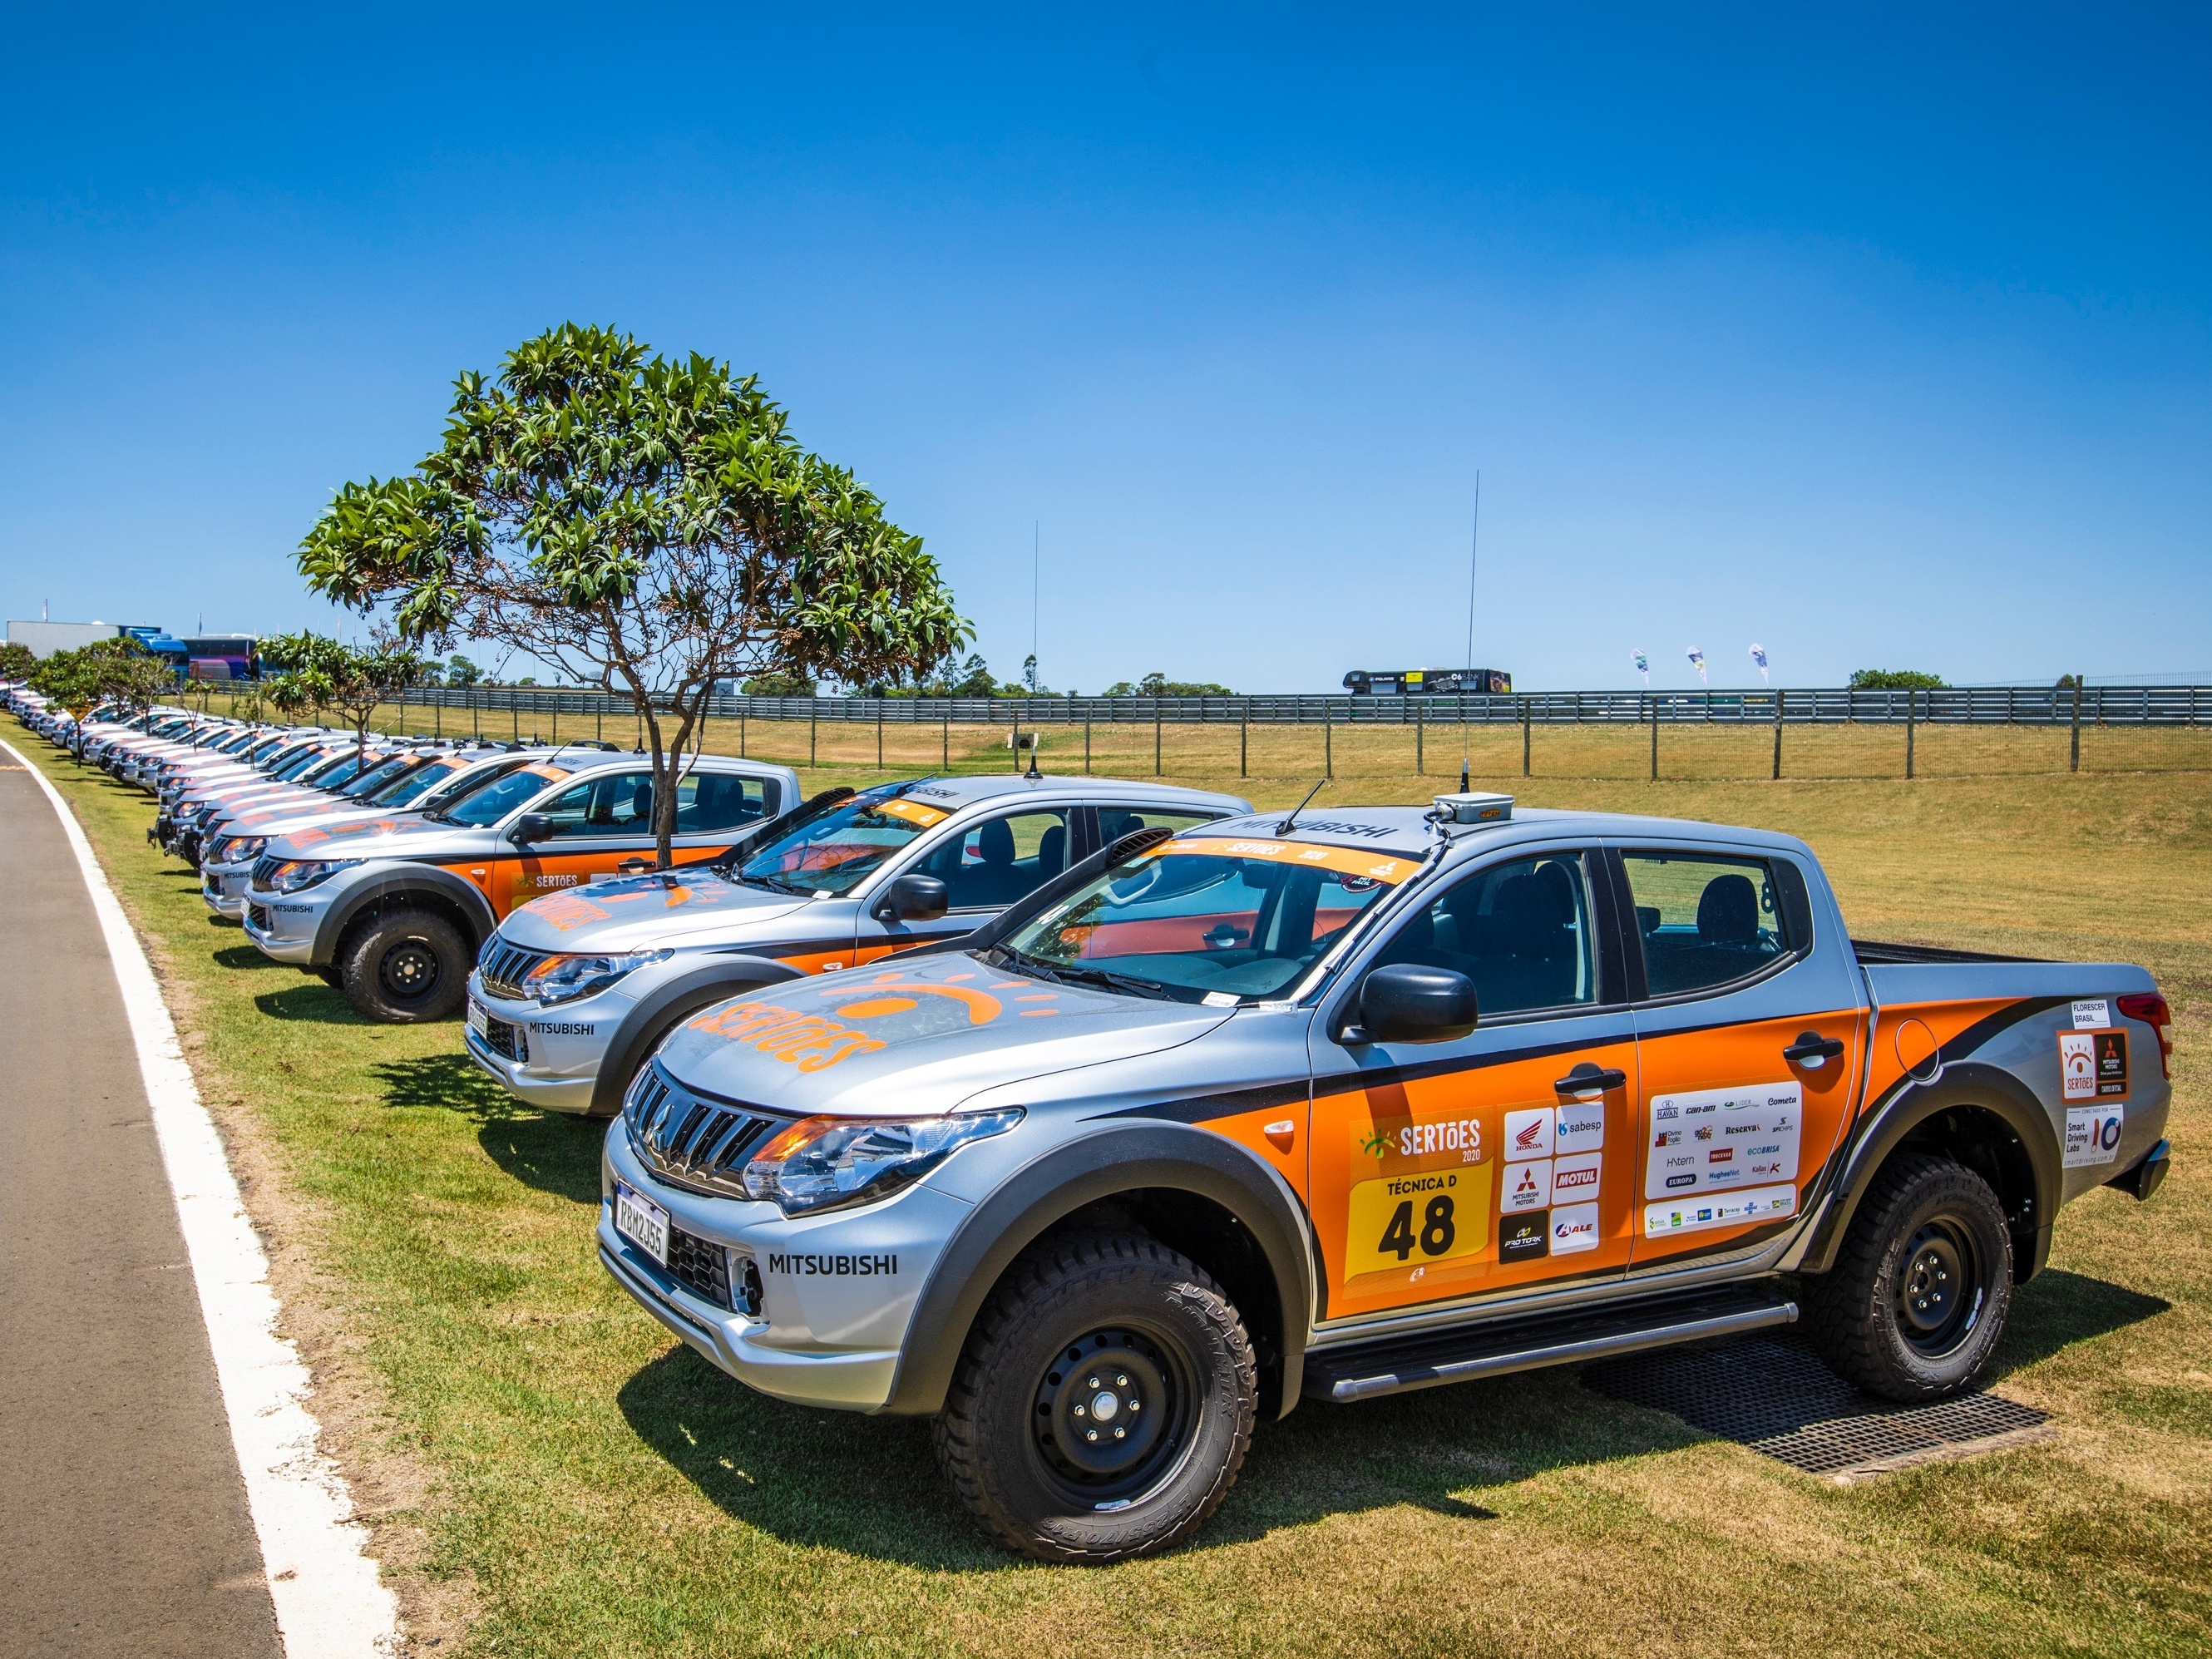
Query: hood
<point x="919" y="1039"/>
<point x="670" y="906"/>
<point x="394" y="836"/>
<point x="293" y="818"/>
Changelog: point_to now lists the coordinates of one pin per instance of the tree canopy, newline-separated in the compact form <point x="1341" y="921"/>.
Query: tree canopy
<point x="119" y="670"/>
<point x="315" y="673"/>
<point x="642" y="522"/>
<point x="1895" y="679"/>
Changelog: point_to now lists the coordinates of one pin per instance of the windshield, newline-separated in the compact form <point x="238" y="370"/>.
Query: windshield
<point x="341" y="771"/>
<point x="411" y="787"/>
<point x="835" y="853"/>
<point x="381" y="774"/>
<point x="1202" y="916"/>
<point x="300" y="765"/>
<point x="496" y="797"/>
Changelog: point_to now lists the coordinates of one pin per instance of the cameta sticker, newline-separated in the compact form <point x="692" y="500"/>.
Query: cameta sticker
<point x="2092" y="1134"/>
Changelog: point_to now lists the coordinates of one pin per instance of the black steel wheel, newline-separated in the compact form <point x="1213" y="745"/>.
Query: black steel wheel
<point x="1103" y="1403"/>
<point x="404" y="968"/>
<point x="1917" y="1299"/>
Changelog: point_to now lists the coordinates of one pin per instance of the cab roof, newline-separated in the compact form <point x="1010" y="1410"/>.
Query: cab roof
<point x="1407" y="830"/>
<point x="954" y="793"/>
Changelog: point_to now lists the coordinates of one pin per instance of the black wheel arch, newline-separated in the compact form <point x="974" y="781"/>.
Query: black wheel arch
<point x="641" y="1028"/>
<point x="1197" y="1192"/>
<point x="417" y="886"/>
<point x="1988" y="1120"/>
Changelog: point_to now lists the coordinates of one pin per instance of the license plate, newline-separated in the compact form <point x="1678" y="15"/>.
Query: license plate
<point x="642" y="1222"/>
<point x="479" y="1021"/>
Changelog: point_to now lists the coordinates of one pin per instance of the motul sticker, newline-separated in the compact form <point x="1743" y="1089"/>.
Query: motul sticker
<point x="2092" y="1134"/>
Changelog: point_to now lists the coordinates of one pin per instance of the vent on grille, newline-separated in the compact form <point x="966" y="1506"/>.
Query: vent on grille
<point x="265" y="870"/>
<point x="700" y="1266"/>
<point x="258" y="917"/>
<point x="213" y="852"/>
<point x="507" y="1040"/>
<point x="700" y="1144"/>
<point x="506" y="966"/>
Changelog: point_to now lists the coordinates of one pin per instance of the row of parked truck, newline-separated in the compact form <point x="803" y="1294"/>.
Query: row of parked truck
<point x="1101" y="1121"/>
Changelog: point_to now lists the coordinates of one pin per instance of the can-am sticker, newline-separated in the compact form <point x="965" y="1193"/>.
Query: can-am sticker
<point x="2092" y="1134"/>
<point x="1760" y="1205"/>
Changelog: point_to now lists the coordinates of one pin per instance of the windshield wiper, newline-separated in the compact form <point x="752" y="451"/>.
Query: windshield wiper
<point x="774" y="884"/>
<point x="1065" y="974"/>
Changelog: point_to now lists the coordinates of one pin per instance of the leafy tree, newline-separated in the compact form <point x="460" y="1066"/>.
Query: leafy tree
<point x="1895" y="679"/>
<point x="973" y="679"/>
<point x="119" y="670"/>
<point x="780" y="685"/>
<point x="1159" y="685"/>
<point x="641" y="522"/>
<point x="460" y="671"/>
<point x="17" y="662"/>
<point x="326" y="673"/>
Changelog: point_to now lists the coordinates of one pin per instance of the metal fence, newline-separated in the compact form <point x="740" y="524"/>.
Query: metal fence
<point x="2023" y="705"/>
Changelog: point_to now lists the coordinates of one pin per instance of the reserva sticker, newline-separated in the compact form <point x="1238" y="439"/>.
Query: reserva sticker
<point x="1344" y="861"/>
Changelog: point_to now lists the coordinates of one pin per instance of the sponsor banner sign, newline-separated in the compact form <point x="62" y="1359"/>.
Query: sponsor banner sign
<point x="1758" y="1206"/>
<point x="1721" y="1138"/>
<point x="2092" y="1134"/>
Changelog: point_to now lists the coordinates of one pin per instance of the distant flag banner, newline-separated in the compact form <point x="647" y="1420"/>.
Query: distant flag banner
<point x="1643" y="665"/>
<point x="1759" y="657"/>
<point x="1697" y="662"/>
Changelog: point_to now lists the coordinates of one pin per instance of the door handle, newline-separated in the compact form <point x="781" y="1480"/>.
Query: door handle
<point x="634" y="866"/>
<point x="1812" y="1050"/>
<point x="1586" y="1078"/>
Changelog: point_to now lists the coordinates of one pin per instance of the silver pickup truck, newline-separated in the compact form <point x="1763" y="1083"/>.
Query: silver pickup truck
<point x="1375" y="1100"/>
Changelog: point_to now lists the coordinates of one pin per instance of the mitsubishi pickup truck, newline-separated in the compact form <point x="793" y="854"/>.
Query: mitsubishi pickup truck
<point x="575" y="990"/>
<point x="394" y="911"/>
<point x="1330" y="1108"/>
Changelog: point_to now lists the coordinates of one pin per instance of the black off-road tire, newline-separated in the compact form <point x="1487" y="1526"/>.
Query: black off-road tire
<point x="1917" y="1300"/>
<point x="406" y="968"/>
<point x="1078" y="1319"/>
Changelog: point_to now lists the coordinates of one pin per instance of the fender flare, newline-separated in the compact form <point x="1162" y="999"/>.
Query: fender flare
<point x="710" y="981"/>
<point x="401" y="881"/>
<point x="1112" y="1159"/>
<point x="1981" y="1086"/>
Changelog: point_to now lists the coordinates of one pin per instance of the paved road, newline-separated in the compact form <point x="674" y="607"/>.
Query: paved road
<point x="124" y="1527"/>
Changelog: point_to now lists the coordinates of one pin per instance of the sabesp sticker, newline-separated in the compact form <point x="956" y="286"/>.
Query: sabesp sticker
<point x="2092" y="1134"/>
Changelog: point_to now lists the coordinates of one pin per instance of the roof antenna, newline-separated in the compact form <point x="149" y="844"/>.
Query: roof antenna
<point x="1474" y="546"/>
<point x="1291" y="822"/>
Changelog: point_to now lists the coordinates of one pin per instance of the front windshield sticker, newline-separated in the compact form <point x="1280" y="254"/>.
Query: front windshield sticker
<point x="539" y="770"/>
<point x="913" y="811"/>
<point x="1345" y="861"/>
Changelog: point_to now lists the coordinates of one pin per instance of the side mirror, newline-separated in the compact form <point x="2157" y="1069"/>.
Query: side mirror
<point x="1405" y="1003"/>
<point x="913" y="898"/>
<point x="530" y="827"/>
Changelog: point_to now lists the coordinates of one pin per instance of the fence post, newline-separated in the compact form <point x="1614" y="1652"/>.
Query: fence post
<point x="1655" y="739"/>
<point x="1244" y="739"/>
<point x="1086" y="745"/>
<point x="813" y="718"/>
<point x="1420" y="734"/>
<point x="514" y="713"/>
<point x="879" y="734"/>
<point x="1327" y="739"/>
<point x="948" y="735"/>
<point x="1524" y="736"/>
<point x="1777" y="737"/>
<point x="2074" y="763"/>
<point x="1912" y="697"/>
<point x="741" y="733"/>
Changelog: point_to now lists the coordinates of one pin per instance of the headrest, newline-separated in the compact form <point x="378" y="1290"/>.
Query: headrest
<point x="1728" y="911"/>
<point x="995" y="842"/>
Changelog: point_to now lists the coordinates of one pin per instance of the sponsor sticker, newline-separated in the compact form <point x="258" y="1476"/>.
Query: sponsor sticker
<point x="1576" y="1178"/>
<point x="1714" y="1148"/>
<point x="1574" y="1227"/>
<point x="2077" y="1065"/>
<point x="2092" y="1134"/>
<point x="1528" y="1186"/>
<point x="1523" y="1238"/>
<point x="2092" y="1012"/>
<point x="1580" y="1128"/>
<point x="2112" y="1063"/>
<point x="1529" y="1132"/>
<point x="1700" y="1214"/>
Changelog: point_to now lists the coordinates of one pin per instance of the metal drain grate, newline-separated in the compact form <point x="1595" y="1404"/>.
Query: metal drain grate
<point x="1774" y="1395"/>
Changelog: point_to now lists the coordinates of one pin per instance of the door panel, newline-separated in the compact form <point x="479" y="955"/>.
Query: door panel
<point x="1732" y="1134"/>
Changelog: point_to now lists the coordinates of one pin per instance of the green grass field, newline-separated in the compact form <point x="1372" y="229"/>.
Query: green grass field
<point x="554" y="1475"/>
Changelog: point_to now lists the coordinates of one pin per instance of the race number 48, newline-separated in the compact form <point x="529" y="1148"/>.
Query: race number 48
<point x="1410" y="1220"/>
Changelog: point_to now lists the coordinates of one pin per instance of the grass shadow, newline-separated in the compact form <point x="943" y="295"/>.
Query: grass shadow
<point x="548" y="1150"/>
<point x="244" y="956"/>
<point x="871" y="1487"/>
<point x="314" y="1002"/>
<point x="2056" y="1309"/>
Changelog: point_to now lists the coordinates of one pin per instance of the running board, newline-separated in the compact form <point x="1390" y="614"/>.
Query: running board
<point x="1599" y="1332"/>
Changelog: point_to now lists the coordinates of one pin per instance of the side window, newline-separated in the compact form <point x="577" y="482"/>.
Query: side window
<point x="1704" y="920"/>
<point x="707" y="801"/>
<point x="621" y="804"/>
<point x="1520" y="931"/>
<point x="1000" y="859"/>
<point x="1116" y="822"/>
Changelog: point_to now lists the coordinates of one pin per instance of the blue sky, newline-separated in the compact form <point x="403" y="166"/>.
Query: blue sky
<point x="1880" y="339"/>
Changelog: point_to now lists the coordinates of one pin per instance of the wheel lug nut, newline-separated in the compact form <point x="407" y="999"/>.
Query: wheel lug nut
<point x="1120" y="1382"/>
<point x="1118" y="1433"/>
<point x="1090" y="1434"/>
<point x="1078" y="1411"/>
<point x="1094" y="1382"/>
<point x="1134" y="1404"/>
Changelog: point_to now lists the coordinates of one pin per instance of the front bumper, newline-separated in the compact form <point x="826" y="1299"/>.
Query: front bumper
<point x="553" y="1059"/>
<point x="822" y="1337"/>
<point x="223" y="888"/>
<point x="284" y="925"/>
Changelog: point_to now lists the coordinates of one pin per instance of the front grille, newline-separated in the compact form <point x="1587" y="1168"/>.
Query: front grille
<point x="506" y="966"/>
<point x="258" y="916"/>
<point x="265" y="870"/>
<point x="694" y="1142"/>
<point x="506" y="1039"/>
<point x="699" y="1265"/>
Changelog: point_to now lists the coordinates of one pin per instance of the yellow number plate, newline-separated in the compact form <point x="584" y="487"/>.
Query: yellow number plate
<point x="1418" y="1220"/>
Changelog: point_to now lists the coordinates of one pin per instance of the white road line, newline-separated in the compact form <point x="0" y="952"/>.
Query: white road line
<point x="330" y="1602"/>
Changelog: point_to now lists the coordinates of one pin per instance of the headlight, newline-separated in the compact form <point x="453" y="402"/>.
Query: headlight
<point x="296" y="874"/>
<point x="825" y="1162"/>
<point x="241" y="850"/>
<point x="563" y="978"/>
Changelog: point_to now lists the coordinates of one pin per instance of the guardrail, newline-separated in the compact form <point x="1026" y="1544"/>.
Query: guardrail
<point x="2025" y="704"/>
